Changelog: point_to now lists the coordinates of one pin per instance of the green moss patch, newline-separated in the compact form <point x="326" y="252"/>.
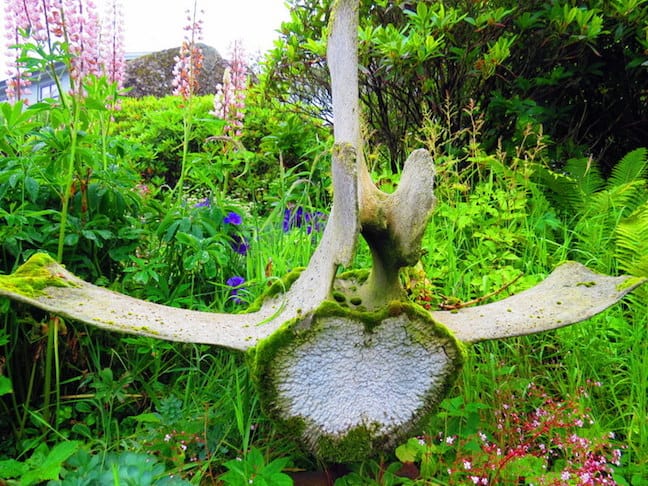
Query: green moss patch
<point x="33" y="277"/>
<point x="630" y="283"/>
<point x="279" y="286"/>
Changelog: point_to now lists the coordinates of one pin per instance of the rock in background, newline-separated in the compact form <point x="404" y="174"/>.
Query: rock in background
<point x="152" y="74"/>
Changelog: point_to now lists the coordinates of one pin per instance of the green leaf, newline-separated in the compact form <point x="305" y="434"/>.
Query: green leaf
<point x="276" y="467"/>
<point x="410" y="451"/>
<point x="187" y="239"/>
<point x="151" y="418"/>
<point x="11" y="468"/>
<point x="527" y="466"/>
<point x="281" y="480"/>
<point x="61" y="452"/>
<point x="5" y="386"/>
<point x="32" y="187"/>
<point x="72" y="239"/>
<point x="51" y="466"/>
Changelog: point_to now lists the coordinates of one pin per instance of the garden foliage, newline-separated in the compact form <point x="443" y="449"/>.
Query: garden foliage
<point x="561" y="65"/>
<point x="79" y="404"/>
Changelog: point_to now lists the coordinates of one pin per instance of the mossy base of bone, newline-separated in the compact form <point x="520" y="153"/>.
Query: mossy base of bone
<point x="350" y="383"/>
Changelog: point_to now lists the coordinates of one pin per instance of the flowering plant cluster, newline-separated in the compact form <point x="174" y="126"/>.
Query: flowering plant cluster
<point x="189" y="62"/>
<point x="229" y="100"/>
<point x="233" y="221"/>
<point x="548" y="445"/>
<point x="63" y="30"/>
<point x="240" y="245"/>
<point x="111" y="48"/>
<point x="313" y="222"/>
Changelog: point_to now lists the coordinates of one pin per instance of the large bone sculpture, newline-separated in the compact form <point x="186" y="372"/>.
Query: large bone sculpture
<point x="344" y="361"/>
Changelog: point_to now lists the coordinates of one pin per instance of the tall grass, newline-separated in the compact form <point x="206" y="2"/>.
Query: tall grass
<point x="497" y="221"/>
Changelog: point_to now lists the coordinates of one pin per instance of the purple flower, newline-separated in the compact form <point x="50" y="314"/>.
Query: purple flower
<point x="233" y="218"/>
<point x="239" y="244"/>
<point x="235" y="282"/>
<point x="293" y="218"/>
<point x="205" y="203"/>
<point x="286" y="220"/>
<point x="314" y="222"/>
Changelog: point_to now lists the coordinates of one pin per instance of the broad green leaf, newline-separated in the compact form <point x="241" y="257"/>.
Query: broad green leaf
<point x="11" y="468"/>
<point x="5" y="386"/>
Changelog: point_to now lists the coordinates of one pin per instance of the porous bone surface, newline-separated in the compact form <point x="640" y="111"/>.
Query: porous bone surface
<point x="347" y="377"/>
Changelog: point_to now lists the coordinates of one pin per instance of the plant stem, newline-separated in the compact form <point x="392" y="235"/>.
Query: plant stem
<point x="187" y="123"/>
<point x="47" y="385"/>
<point x="69" y="179"/>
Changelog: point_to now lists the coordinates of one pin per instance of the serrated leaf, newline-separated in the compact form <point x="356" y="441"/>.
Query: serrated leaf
<point x="61" y="452"/>
<point x="276" y="466"/>
<point x="11" y="468"/>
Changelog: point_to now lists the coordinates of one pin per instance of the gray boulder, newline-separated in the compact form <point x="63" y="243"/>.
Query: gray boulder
<point x="152" y="74"/>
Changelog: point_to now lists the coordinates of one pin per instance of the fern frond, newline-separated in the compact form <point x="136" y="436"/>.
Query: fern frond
<point x="563" y="190"/>
<point x="632" y="167"/>
<point x="631" y="236"/>
<point x="615" y="202"/>
<point x="586" y="174"/>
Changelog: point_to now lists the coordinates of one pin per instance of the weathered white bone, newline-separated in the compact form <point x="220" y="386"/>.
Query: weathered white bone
<point x="343" y="361"/>
<point x="570" y="294"/>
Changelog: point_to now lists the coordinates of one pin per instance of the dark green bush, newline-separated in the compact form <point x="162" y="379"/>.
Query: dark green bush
<point x="579" y="70"/>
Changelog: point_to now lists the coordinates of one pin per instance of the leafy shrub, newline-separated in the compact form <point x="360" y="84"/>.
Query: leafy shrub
<point x="563" y="66"/>
<point x="253" y="469"/>
<point x="153" y="128"/>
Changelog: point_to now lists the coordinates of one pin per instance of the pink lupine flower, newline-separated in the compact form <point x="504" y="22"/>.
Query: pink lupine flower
<point x="80" y="23"/>
<point x="111" y="45"/>
<point x="229" y="100"/>
<point x="51" y="24"/>
<point x="17" y="20"/>
<point x="190" y="59"/>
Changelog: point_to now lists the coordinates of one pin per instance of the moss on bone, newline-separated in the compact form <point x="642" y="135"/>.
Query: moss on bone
<point x="361" y="440"/>
<point x="630" y="283"/>
<point x="33" y="277"/>
<point x="355" y="446"/>
<point x="279" y="286"/>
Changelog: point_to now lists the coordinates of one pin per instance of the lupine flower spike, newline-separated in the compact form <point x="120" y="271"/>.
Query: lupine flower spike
<point x="71" y="23"/>
<point x="229" y="100"/>
<point x="111" y="47"/>
<point x="190" y="60"/>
